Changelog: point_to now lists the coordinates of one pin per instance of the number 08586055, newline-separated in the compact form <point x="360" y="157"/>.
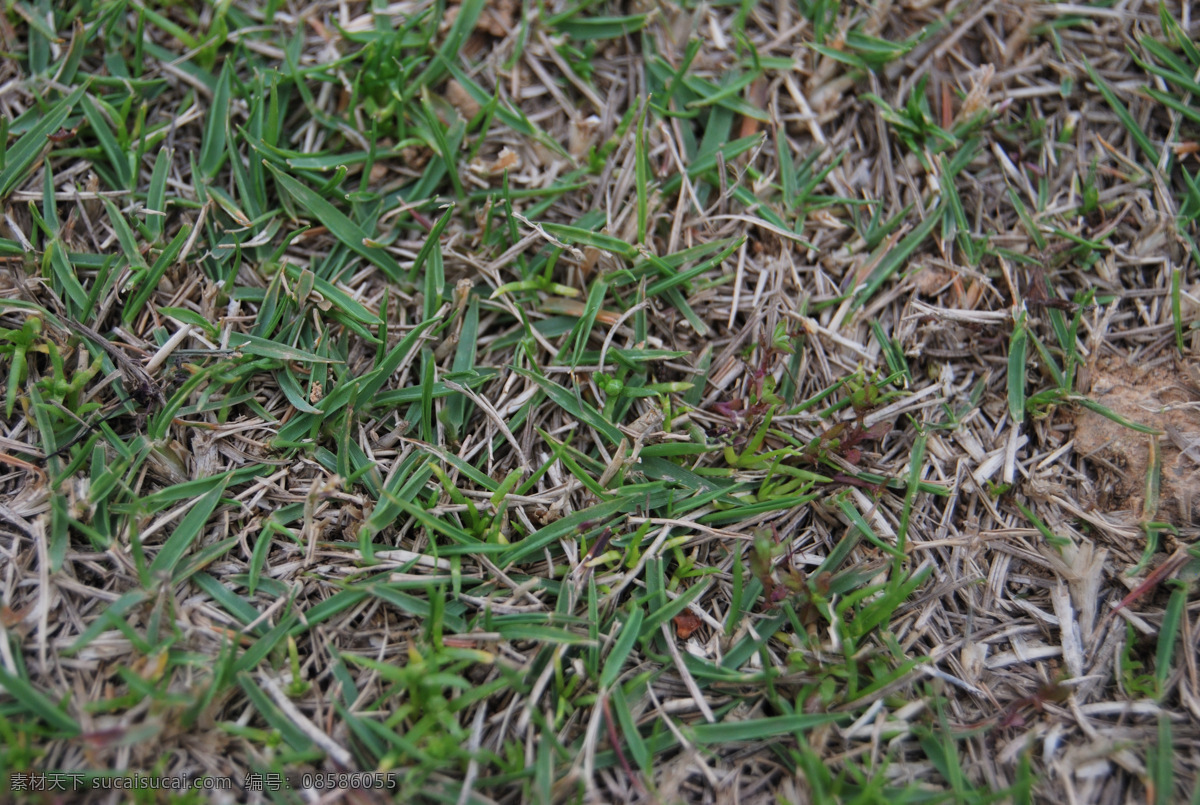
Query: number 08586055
<point x="348" y="780"/>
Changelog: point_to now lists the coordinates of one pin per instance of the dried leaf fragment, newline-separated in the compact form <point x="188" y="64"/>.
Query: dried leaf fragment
<point x="686" y="623"/>
<point x="460" y="99"/>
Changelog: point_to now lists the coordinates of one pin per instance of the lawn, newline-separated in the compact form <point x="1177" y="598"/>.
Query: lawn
<point x="598" y="402"/>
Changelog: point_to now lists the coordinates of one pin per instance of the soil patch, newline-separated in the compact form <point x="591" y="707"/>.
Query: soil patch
<point x="1165" y="397"/>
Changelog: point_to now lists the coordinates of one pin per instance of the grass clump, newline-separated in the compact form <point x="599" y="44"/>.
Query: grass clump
<point x="576" y="402"/>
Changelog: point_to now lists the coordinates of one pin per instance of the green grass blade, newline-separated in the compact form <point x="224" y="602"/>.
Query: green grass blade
<point x="35" y="702"/>
<point x="216" y="125"/>
<point x="189" y="528"/>
<point x="117" y="155"/>
<point x="896" y="257"/>
<point x="1122" y="112"/>
<point x="1017" y="348"/>
<point x="20" y="158"/>
<point x="338" y="224"/>
<point x="614" y="663"/>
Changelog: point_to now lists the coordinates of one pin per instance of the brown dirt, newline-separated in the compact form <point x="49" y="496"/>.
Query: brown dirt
<point x="1163" y="397"/>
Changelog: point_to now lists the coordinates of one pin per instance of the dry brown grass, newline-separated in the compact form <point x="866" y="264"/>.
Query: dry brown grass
<point x="1011" y="666"/>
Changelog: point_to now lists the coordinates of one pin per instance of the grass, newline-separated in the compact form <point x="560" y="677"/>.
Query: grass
<point x="573" y="402"/>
